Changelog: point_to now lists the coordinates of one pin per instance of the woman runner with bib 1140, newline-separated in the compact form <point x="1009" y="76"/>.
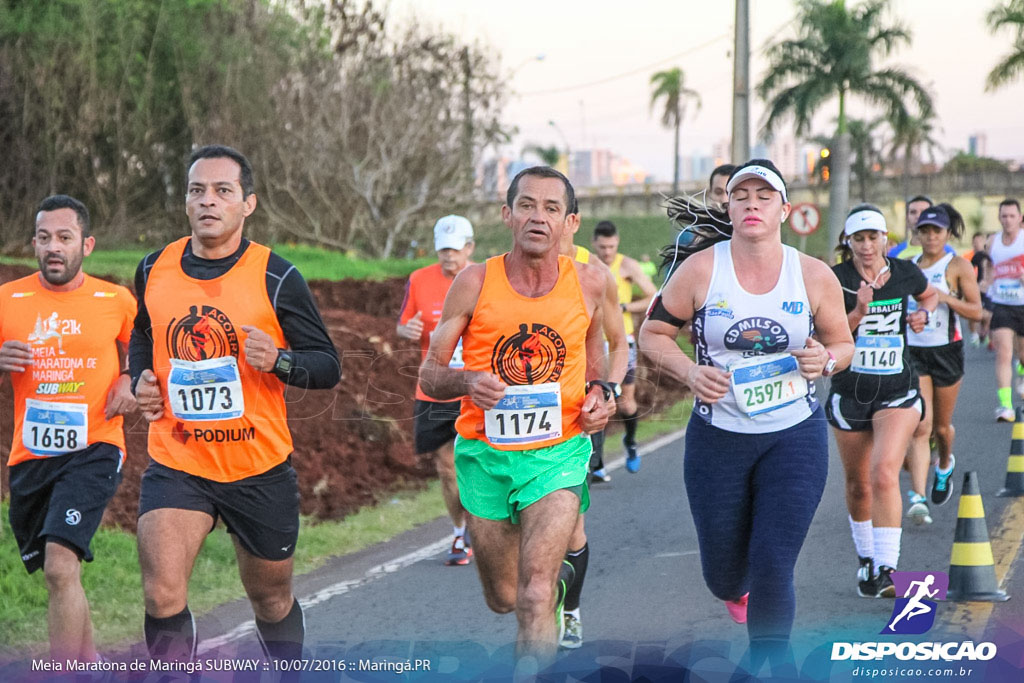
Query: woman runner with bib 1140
<point x="938" y="354"/>
<point x="767" y="322"/>
<point x="875" y="405"/>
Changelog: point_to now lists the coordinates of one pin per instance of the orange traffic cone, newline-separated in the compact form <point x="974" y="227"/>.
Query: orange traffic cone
<point x="1014" y="485"/>
<point x="972" y="571"/>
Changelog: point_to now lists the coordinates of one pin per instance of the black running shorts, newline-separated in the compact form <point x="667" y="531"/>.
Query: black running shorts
<point x="262" y="511"/>
<point x="434" y="424"/>
<point x="62" y="499"/>
<point x="944" y="364"/>
<point x="1011" y="317"/>
<point x="851" y="415"/>
<point x="630" y="377"/>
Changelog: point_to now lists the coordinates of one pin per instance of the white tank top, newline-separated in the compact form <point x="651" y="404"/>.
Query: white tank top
<point x="943" y="326"/>
<point x="734" y="326"/>
<point x="1008" y="264"/>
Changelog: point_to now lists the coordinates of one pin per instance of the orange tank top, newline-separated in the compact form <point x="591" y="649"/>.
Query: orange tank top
<point x="538" y="344"/>
<point x="223" y="419"/>
<point x="425" y="294"/>
<point x="59" y="400"/>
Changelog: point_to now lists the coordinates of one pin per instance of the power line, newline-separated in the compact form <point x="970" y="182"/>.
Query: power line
<point x="632" y="72"/>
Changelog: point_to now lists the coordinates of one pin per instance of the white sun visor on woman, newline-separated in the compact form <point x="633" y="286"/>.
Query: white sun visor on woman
<point x="865" y="220"/>
<point x="766" y="174"/>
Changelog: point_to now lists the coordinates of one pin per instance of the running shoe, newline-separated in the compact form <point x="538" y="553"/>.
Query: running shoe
<point x="566" y="575"/>
<point x="866" y="582"/>
<point x="460" y="553"/>
<point x="942" y="486"/>
<point x="738" y="609"/>
<point x="572" y="632"/>
<point x="1005" y="414"/>
<point x="886" y="589"/>
<point x="918" y="509"/>
<point x="632" y="457"/>
<point x="599" y="477"/>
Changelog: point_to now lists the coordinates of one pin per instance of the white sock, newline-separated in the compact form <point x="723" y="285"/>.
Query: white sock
<point x="887" y="545"/>
<point x="863" y="539"/>
<point x="460" y="530"/>
<point x="574" y="612"/>
<point x="952" y="462"/>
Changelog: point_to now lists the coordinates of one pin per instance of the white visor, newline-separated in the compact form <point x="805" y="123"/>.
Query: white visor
<point x="865" y="220"/>
<point x="766" y="174"/>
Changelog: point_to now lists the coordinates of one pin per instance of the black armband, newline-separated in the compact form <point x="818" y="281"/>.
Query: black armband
<point x="658" y="312"/>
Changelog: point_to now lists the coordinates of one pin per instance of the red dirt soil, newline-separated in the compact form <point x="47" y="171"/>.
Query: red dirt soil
<point x="353" y="443"/>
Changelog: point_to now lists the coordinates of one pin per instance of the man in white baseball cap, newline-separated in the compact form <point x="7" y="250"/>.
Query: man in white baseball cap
<point x="434" y="421"/>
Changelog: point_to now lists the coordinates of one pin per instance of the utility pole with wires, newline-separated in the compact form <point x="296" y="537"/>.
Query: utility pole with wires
<point x="741" y="85"/>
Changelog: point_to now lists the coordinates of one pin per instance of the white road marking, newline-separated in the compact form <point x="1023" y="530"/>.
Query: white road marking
<point x="392" y="566"/>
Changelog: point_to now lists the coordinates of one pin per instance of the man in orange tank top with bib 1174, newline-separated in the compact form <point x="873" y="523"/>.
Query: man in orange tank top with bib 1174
<point x="533" y="387"/>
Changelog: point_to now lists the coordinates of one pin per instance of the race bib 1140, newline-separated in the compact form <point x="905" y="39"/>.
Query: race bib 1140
<point x="880" y="354"/>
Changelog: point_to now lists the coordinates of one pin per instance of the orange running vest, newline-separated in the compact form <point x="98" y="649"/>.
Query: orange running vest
<point x="201" y="320"/>
<point x="527" y="340"/>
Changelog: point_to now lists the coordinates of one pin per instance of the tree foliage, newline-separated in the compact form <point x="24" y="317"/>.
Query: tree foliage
<point x="1010" y="15"/>
<point x="357" y="129"/>
<point x="670" y="86"/>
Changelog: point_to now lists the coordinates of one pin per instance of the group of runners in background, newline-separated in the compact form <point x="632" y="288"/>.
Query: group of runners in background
<point x="526" y="357"/>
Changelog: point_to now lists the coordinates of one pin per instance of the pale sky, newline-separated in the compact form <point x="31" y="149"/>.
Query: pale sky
<point x="623" y="43"/>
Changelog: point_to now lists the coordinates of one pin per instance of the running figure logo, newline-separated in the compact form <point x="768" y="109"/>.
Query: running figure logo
<point x="914" y="613"/>
<point x="535" y="355"/>
<point x="47" y="329"/>
<point x="202" y="334"/>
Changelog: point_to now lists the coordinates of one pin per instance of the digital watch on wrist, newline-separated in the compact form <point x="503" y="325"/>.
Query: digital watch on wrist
<point x="606" y="388"/>
<point x="285" y="362"/>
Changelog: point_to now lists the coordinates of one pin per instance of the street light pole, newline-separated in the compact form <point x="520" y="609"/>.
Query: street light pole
<point x="741" y="85"/>
<point x="568" y="154"/>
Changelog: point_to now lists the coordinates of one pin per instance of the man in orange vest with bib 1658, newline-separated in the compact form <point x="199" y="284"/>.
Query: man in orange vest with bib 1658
<point x="532" y="388"/>
<point x="223" y="325"/>
<point x="64" y="341"/>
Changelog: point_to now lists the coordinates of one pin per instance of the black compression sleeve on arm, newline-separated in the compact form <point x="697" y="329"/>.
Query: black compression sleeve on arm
<point x="140" y="345"/>
<point x="315" y="360"/>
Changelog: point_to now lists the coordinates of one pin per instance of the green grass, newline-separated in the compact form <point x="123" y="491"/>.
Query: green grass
<point x="315" y="263"/>
<point x="113" y="583"/>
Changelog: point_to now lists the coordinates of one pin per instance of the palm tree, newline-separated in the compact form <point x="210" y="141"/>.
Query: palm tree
<point x="866" y="154"/>
<point x="832" y="58"/>
<point x="1012" y="65"/>
<point x="549" y="155"/>
<point x="670" y="85"/>
<point x="913" y="135"/>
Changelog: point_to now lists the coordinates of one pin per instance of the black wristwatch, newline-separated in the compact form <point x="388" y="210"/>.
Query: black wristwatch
<point x="284" y="364"/>
<point x="607" y="388"/>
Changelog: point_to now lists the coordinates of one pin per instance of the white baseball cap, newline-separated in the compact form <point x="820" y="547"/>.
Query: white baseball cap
<point x="766" y="172"/>
<point x="865" y="219"/>
<point x="452" y="232"/>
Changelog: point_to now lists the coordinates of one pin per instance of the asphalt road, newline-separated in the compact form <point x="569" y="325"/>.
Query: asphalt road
<point x="645" y="608"/>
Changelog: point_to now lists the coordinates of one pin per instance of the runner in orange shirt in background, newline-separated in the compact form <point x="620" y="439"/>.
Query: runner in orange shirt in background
<point x="64" y="337"/>
<point x="434" y="421"/>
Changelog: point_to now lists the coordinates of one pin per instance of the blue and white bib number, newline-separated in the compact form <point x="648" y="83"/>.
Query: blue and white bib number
<point x="528" y="413"/>
<point x="206" y="389"/>
<point x="880" y="354"/>
<point x="1009" y="291"/>
<point x="55" y="428"/>
<point x="456" y="363"/>
<point x="765" y="383"/>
